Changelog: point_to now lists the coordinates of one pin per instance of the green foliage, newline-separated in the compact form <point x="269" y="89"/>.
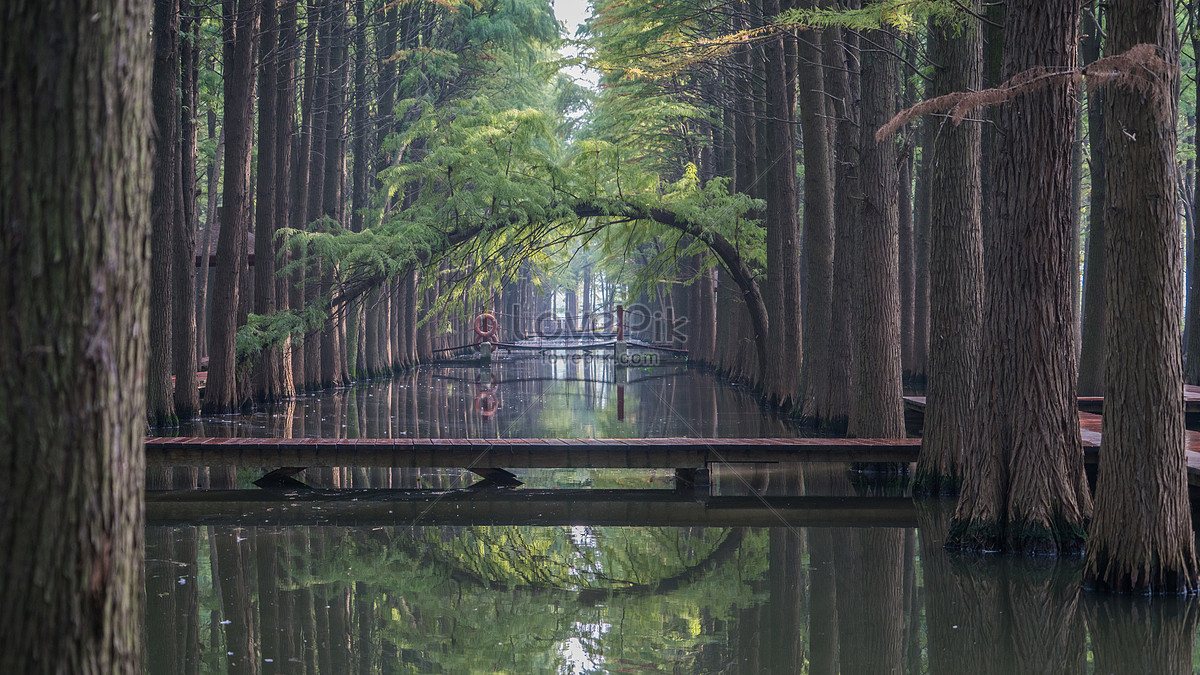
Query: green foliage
<point x="904" y="15"/>
<point x="266" y="332"/>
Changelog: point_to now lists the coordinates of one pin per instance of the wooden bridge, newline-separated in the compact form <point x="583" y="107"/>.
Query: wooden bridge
<point x="517" y="453"/>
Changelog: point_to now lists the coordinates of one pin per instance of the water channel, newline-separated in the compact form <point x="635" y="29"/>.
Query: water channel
<point x="761" y="569"/>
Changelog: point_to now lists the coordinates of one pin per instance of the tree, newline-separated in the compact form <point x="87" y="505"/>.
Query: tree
<point x="74" y="221"/>
<point x="818" y="222"/>
<point x="183" y="308"/>
<point x="240" y="20"/>
<point x="778" y="173"/>
<point x="955" y="262"/>
<point x="165" y="95"/>
<point x="877" y="408"/>
<point x="1141" y="537"/>
<point x="1024" y="488"/>
<point x="268" y="386"/>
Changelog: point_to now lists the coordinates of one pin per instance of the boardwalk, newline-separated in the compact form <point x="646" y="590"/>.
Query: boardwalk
<point x="633" y="453"/>
<point x="522" y="453"/>
<point x="1090" y="428"/>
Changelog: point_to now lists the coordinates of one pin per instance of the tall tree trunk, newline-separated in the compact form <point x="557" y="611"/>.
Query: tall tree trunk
<point x="240" y="19"/>
<point x="1024" y="488"/>
<point x="74" y="221"/>
<point x="332" y="346"/>
<point x="955" y="263"/>
<point x="285" y="133"/>
<point x="160" y="404"/>
<point x="782" y="290"/>
<point x="267" y="387"/>
<point x="298" y="213"/>
<point x="183" y="310"/>
<point x="360" y="129"/>
<point x="205" y="252"/>
<point x="316" y="179"/>
<point x="818" y="223"/>
<point x="1141" y="537"/>
<point x="877" y="409"/>
<point x="843" y="87"/>
<point x="1091" y="353"/>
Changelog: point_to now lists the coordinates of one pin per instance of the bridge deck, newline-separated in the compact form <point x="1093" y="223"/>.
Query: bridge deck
<point x="1090" y="427"/>
<point x="632" y="453"/>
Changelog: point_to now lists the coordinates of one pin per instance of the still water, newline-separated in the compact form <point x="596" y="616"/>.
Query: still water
<point x="766" y="569"/>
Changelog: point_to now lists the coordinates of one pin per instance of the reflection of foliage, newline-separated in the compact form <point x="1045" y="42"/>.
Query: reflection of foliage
<point x="509" y="599"/>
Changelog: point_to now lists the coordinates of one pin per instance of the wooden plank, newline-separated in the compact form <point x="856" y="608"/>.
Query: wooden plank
<point x="635" y="453"/>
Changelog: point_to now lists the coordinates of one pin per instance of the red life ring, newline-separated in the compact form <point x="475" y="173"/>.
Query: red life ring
<point x="486" y="327"/>
<point x="486" y="403"/>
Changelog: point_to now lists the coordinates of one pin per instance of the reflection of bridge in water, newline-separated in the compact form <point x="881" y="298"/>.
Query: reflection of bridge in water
<point x="593" y="507"/>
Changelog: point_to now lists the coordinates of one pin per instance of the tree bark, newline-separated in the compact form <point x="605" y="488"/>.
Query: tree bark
<point x="1024" y="488"/>
<point x="877" y="408"/>
<point x="780" y="380"/>
<point x="285" y="138"/>
<point x="843" y="87"/>
<point x="183" y="328"/>
<point x="160" y="404"/>
<point x="818" y="223"/>
<point x="75" y="120"/>
<point x="955" y="263"/>
<point x="240" y="19"/>
<point x="1141" y="536"/>
<point x="267" y="387"/>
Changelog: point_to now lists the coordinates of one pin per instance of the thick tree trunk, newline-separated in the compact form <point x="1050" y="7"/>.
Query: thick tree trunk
<point x="842" y="86"/>
<point x="877" y="409"/>
<point x="955" y="264"/>
<point x="319" y="106"/>
<point x="1141" y="537"/>
<point x="267" y="387"/>
<point x="1091" y="353"/>
<point x="782" y="289"/>
<point x="285" y="133"/>
<point x="1024" y="488"/>
<point x="183" y="310"/>
<point x="74" y="220"/>
<point x="818" y="224"/>
<point x="332" y="345"/>
<point x="240" y="26"/>
<point x="298" y="211"/>
<point x="160" y="404"/>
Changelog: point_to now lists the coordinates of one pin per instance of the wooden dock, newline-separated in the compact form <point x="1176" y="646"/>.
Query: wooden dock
<point x="610" y="453"/>
<point x="1090" y="428"/>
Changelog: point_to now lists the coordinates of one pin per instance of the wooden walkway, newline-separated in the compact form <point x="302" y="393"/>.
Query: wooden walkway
<point x="518" y="453"/>
<point x="632" y="453"/>
<point x="1090" y="428"/>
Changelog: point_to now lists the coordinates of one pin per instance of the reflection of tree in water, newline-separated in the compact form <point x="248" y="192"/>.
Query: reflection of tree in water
<point x="469" y="599"/>
<point x="1141" y="635"/>
<point x="998" y="613"/>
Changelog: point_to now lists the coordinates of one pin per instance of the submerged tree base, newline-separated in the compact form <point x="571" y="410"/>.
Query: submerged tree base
<point x="1108" y="575"/>
<point x="1023" y="537"/>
